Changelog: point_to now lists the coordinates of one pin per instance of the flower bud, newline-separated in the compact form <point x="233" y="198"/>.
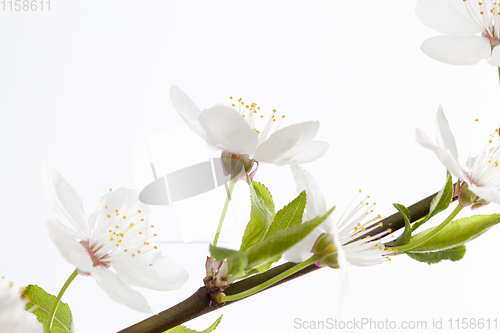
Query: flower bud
<point x="325" y="249"/>
<point x="467" y="198"/>
<point x="237" y="165"/>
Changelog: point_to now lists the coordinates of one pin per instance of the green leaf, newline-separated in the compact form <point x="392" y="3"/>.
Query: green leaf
<point x="183" y="329"/>
<point x="405" y="237"/>
<point x="281" y="241"/>
<point x="287" y="217"/>
<point x="236" y="260"/>
<point x="440" y="202"/>
<point x="43" y="303"/>
<point x="456" y="233"/>
<point x="261" y="215"/>
<point x="453" y="254"/>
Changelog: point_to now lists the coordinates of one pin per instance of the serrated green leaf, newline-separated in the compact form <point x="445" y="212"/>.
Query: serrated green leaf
<point x="456" y="233"/>
<point x="405" y="237"/>
<point x="183" y="329"/>
<point x="236" y="260"/>
<point x="440" y="202"/>
<point x="261" y="215"/>
<point x="281" y="241"/>
<point x="43" y="303"/>
<point x="453" y="254"/>
<point x="288" y="216"/>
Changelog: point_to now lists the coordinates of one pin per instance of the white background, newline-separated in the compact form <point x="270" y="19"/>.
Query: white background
<point x="84" y="84"/>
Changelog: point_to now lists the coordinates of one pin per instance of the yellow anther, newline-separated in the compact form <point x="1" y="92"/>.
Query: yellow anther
<point x="109" y="216"/>
<point x="139" y="210"/>
<point x="125" y="250"/>
<point x="380" y="247"/>
<point x="156" y="247"/>
<point x="110" y="189"/>
<point x="152" y="226"/>
<point x="142" y="219"/>
<point x="111" y="239"/>
<point x="105" y="206"/>
<point x="155" y="235"/>
<point x="124" y="217"/>
<point x="368" y="236"/>
<point x="390" y="230"/>
<point x="380" y="224"/>
<point x="150" y="264"/>
<point x="110" y="230"/>
<point x="390" y="249"/>
<point x="395" y="251"/>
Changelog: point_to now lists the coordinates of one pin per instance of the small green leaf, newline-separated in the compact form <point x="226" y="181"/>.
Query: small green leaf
<point x="456" y="233"/>
<point x="183" y="329"/>
<point x="281" y="241"/>
<point x="288" y="216"/>
<point x="405" y="237"/>
<point x="236" y="260"/>
<point x="261" y="215"/>
<point x="440" y="202"/>
<point x="453" y="254"/>
<point x="43" y="303"/>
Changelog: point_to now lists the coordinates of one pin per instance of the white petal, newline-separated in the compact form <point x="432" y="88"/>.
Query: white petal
<point x="315" y="204"/>
<point x="287" y="142"/>
<point x="495" y="57"/>
<point x="448" y="17"/>
<point x="311" y="152"/>
<point x="457" y="50"/>
<point x="302" y="250"/>
<point x="444" y="155"/>
<point x="69" y="246"/>
<point x="62" y="196"/>
<point x="487" y="193"/>
<point x="445" y="136"/>
<point x="226" y="129"/>
<point x="126" y="201"/>
<point x="341" y="257"/>
<point x="119" y="291"/>
<point x="163" y="274"/>
<point x="188" y="111"/>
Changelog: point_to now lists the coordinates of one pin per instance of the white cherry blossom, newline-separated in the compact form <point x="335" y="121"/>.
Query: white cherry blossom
<point x="244" y="129"/>
<point x="471" y="28"/>
<point x="348" y="231"/>
<point x="482" y="173"/>
<point x="112" y="244"/>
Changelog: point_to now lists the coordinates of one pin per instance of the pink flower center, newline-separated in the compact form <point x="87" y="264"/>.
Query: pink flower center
<point x="96" y="261"/>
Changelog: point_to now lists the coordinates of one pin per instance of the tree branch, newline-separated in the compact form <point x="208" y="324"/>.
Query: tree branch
<point x="201" y="302"/>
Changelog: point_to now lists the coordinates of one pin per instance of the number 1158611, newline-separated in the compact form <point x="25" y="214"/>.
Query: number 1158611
<point x="25" y="5"/>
